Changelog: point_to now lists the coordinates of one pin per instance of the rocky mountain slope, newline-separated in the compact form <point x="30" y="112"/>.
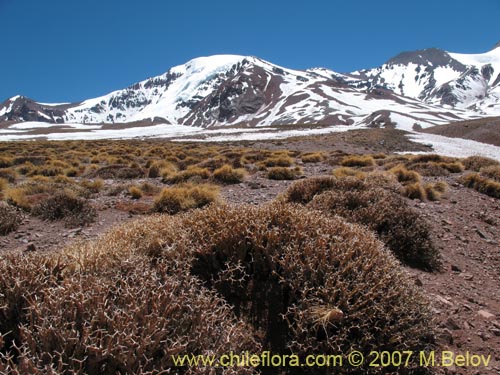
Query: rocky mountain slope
<point x="427" y="87"/>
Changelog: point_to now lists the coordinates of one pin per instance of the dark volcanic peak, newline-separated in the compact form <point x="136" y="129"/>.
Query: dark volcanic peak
<point x="435" y="56"/>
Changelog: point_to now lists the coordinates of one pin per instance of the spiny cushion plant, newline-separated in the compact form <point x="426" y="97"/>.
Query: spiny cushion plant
<point x="314" y="285"/>
<point x="10" y="219"/>
<point x="126" y="319"/>
<point x="65" y="205"/>
<point x="402" y="228"/>
<point x="303" y="283"/>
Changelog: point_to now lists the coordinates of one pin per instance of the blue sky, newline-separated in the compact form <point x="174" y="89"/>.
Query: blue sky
<point x="65" y="50"/>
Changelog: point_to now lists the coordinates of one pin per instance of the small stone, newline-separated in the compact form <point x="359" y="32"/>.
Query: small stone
<point x="455" y="268"/>
<point x="451" y="324"/>
<point x="418" y="282"/>
<point x="30" y="247"/>
<point x="443" y="300"/>
<point x="468" y="276"/>
<point x="495" y="331"/>
<point x="486" y="315"/>
<point x="484" y="336"/>
<point x="481" y="234"/>
<point x="446" y="336"/>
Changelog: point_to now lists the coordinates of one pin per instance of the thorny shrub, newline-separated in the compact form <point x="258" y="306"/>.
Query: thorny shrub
<point x="128" y="319"/>
<point x="10" y="219"/>
<point x="402" y="228"/>
<point x="64" y="205"/>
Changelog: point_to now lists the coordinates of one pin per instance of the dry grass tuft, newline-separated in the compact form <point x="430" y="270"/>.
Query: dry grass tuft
<point x="475" y="163"/>
<point x="229" y="175"/>
<point x="405" y="176"/>
<point x="284" y="173"/>
<point x="192" y="172"/>
<point x="342" y="172"/>
<point x="482" y="184"/>
<point x="135" y="192"/>
<point x="185" y="197"/>
<point x="313" y="157"/>
<point x="415" y="191"/>
<point x="277" y="161"/>
<point x="117" y="171"/>
<point x="492" y="171"/>
<point x="358" y="161"/>
<point x="8" y="174"/>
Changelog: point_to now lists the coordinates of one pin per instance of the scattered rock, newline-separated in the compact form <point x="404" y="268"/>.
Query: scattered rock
<point x="30" y="247"/>
<point x="486" y="315"/>
<point x="481" y="234"/>
<point x="495" y="331"/>
<point x="443" y="300"/>
<point x="484" y="336"/>
<point x="455" y="268"/>
<point x="451" y="324"/>
<point x="446" y="336"/>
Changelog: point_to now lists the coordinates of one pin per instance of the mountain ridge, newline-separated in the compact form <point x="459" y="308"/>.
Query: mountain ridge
<point x="429" y="86"/>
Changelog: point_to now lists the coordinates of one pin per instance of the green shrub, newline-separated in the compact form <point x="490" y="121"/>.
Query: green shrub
<point x="3" y="184"/>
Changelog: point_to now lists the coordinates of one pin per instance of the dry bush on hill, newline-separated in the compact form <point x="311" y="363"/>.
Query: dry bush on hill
<point x="403" y="230"/>
<point x="10" y="219"/>
<point x="175" y="199"/>
<point x="64" y="205"/>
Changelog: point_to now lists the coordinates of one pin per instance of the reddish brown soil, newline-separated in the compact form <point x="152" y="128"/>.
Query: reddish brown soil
<point x="465" y="294"/>
<point x="486" y="130"/>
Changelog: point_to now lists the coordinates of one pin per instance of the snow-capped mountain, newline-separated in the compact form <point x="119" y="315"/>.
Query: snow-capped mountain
<point x="434" y="76"/>
<point x="426" y="87"/>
